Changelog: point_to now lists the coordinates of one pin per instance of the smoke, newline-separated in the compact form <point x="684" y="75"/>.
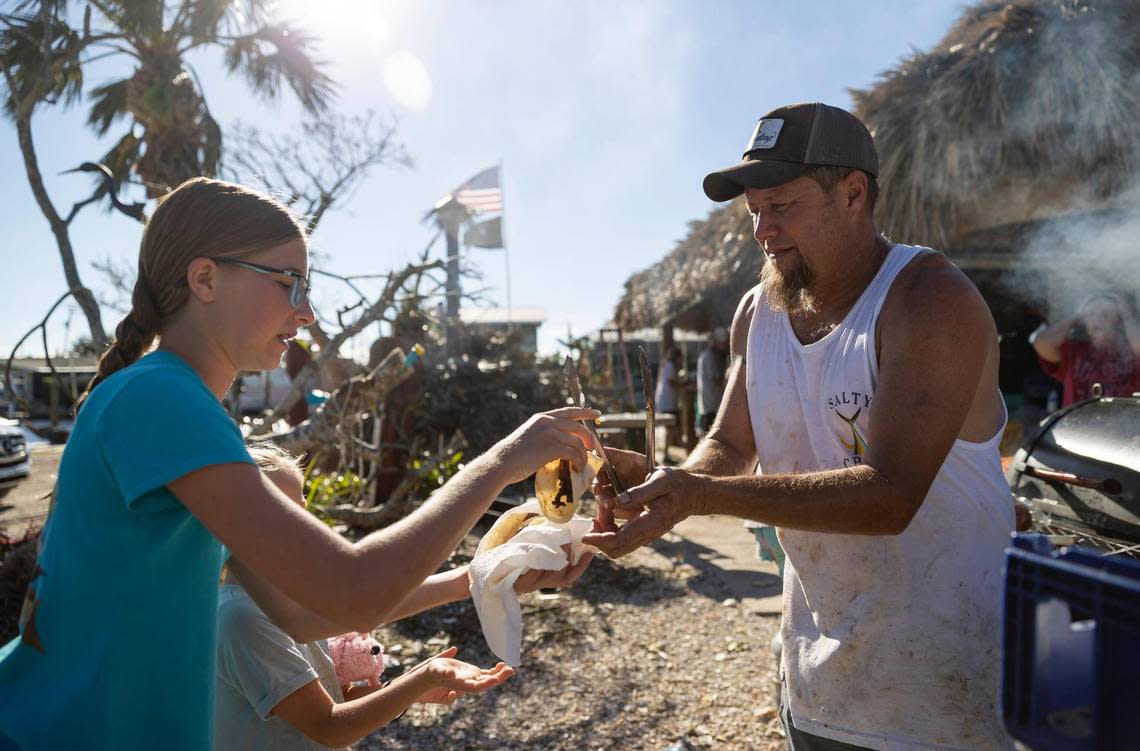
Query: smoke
<point x="1065" y="259"/>
<point x="1074" y="117"/>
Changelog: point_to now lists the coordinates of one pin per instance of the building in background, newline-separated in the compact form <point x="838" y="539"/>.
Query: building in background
<point x="33" y="382"/>
<point x="523" y="322"/>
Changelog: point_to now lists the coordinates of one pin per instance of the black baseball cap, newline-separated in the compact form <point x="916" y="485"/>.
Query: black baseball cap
<point x="790" y="139"/>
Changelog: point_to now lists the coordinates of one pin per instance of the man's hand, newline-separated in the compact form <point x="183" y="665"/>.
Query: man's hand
<point x="630" y="469"/>
<point x="667" y="498"/>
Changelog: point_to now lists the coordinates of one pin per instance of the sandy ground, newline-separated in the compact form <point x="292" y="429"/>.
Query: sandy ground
<point x="668" y="649"/>
<point x="26" y="503"/>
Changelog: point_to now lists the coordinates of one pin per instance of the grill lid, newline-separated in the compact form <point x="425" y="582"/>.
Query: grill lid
<point x="1082" y="469"/>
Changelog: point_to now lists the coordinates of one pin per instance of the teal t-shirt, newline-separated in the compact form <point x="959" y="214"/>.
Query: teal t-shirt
<point x="119" y="650"/>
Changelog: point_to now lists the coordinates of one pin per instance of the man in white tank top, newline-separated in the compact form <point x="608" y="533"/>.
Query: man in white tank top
<point x="861" y="418"/>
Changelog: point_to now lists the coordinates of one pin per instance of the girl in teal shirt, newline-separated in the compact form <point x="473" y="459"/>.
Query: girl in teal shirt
<point x="116" y="649"/>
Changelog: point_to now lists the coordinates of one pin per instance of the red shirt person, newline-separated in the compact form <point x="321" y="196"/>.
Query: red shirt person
<point x="1100" y="344"/>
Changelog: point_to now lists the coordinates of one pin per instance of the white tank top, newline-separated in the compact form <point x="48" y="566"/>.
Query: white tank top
<point x="890" y="642"/>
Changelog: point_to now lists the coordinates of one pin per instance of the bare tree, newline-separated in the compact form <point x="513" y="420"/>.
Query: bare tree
<point x="324" y="168"/>
<point x="38" y="58"/>
<point x="171" y="135"/>
<point x="312" y="175"/>
<point x="381" y="309"/>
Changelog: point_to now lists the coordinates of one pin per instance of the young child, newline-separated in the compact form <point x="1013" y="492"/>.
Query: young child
<point x="117" y="643"/>
<point x="275" y="693"/>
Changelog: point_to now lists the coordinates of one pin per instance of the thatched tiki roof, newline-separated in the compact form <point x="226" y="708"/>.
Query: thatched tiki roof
<point x="698" y="285"/>
<point x="1023" y="111"/>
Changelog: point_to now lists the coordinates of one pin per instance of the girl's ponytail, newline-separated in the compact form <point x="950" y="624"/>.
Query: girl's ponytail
<point x="133" y="337"/>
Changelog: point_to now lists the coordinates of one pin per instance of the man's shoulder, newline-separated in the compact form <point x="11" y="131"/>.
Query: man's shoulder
<point x="747" y="304"/>
<point x="742" y="319"/>
<point x="933" y="283"/>
<point x="932" y="295"/>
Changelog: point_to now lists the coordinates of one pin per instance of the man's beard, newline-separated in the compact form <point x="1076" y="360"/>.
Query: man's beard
<point x="787" y="292"/>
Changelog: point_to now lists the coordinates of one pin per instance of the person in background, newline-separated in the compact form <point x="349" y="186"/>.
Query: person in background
<point x="668" y="382"/>
<point x="711" y="366"/>
<point x="669" y="385"/>
<point x="1100" y="344"/>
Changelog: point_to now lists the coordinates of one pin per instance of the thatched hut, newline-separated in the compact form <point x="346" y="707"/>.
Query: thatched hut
<point x="697" y="286"/>
<point x="1017" y="127"/>
<point x="1012" y="146"/>
<point x="1024" y="111"/>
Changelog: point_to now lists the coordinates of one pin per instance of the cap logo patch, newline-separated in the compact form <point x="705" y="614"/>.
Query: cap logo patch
<point x="765" y="134"/>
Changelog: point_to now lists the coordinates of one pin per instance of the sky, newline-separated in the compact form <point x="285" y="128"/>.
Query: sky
<point x="604" y="116"/>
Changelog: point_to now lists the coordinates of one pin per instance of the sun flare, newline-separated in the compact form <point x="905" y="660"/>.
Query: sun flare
<point x="407" y="80"/>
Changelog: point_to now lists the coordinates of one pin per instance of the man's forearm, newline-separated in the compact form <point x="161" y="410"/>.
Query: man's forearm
<point x="718" y="458"/>
<point x="858" y="501"/>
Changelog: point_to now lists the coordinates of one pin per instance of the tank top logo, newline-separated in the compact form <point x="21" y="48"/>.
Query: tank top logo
<point x="847" y="406"/>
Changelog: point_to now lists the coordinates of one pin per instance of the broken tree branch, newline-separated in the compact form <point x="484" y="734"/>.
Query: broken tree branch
<point x="399" y="503"/>
<point x="370" y="390"/>
<point x="369" y="316"/>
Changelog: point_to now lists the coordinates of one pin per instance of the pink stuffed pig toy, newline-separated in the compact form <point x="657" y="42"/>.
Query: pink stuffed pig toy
<point x="357" y="657"/>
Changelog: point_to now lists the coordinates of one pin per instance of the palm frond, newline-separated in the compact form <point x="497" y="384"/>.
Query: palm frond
<point x="41" y="54"/>
<point x="200" y="20"/>
<point x="211" y="146"/>
<point x="277" y="54"/>
<point x="121" y="158"/>
<point x="135" y="19"/>
<point x="109" y="103"/>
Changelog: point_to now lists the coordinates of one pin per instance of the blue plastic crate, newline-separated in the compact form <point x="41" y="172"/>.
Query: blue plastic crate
<point x="1070" y="648"/>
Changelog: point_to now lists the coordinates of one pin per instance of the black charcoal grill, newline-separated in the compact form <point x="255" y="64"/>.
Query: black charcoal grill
<point x="1080" y="475"/>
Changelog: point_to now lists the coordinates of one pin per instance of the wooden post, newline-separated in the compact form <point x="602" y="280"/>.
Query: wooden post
<point x="628" y="372"/>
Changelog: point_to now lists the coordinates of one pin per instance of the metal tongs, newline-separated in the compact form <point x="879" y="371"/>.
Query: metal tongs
<point x="574" y="386"/>
<point x="650" y="410"/>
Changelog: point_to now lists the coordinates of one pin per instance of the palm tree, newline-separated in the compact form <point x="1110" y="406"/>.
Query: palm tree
<point x="171" y="135"/>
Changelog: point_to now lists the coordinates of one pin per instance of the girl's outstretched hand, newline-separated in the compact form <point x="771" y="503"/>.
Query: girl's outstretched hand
<point x="450" y="678"/>
<point x="535" y="578"/>
<point x="547" y="436"/>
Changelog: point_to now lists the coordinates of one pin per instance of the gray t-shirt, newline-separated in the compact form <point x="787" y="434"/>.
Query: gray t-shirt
<point x="258" y="666"/>
<point x="710" y="374"/>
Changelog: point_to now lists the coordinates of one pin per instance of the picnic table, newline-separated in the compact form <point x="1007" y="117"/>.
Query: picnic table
<point x="626" y="430"/>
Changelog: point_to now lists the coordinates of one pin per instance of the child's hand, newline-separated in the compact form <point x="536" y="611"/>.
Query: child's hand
<point x="450" y="678"/>
<point x="535" y="578"/>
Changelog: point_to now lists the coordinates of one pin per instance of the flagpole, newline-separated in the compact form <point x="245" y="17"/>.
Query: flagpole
<point x="503" y="237"/>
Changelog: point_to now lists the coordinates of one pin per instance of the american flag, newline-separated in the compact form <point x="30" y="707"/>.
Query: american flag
<point x="481" y="193"/>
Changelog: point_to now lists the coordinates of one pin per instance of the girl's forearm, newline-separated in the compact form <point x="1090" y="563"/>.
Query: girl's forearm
<point x="437" y="589"/>
<point x="300" y="623"/>
<point x="353" y="719"/>
<point x="418" y="543"/>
